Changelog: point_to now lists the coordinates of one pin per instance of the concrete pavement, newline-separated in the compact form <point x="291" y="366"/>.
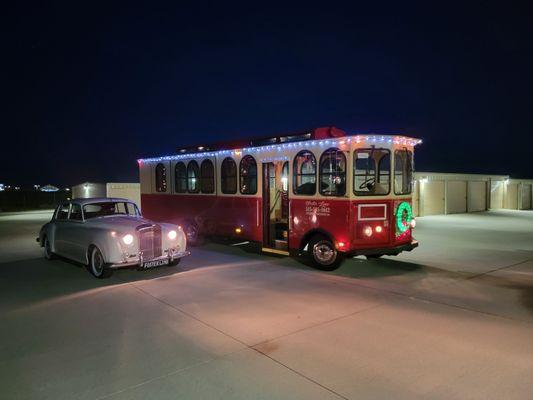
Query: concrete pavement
<point x="453" y="319"/>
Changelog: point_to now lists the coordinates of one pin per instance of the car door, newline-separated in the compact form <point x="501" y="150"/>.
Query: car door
<point x="60" y="235"/>
<point x="73" y="233"/>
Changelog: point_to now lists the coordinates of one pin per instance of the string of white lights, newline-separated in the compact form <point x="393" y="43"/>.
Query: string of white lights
<point x="398" y="140"/>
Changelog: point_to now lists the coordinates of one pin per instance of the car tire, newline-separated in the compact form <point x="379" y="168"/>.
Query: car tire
<point x="192" y="232"/>
<point x="323" y="254"/>
<point x="48" y="254"/>
<point x="97" y="266"/>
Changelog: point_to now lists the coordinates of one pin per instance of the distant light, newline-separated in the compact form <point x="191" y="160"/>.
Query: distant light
<point x="341" y="244"/>
<point x="296" y="221"/>
<point x="201" y="147"/>
<point x="424" y="180"/>
<point x="238" y="230"/>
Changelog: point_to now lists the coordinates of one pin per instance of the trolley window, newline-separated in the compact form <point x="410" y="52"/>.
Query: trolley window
<point x="371" y="172"/>
<point x="248" y="175"/>
<point x="403" y="171"/>
<point x="228" y="176"/>
<point x="207" y="176"/>
<point x="160" y="178"/>
<point x="192" y="177"/>
<point x="285" y="176"/>
<point x="333" y="173"/>
<point x="304" y="173"/>
<point x="180" y="178"/>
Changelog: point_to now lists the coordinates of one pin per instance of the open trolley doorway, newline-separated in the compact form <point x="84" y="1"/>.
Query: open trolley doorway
<point x="276" y="207"/>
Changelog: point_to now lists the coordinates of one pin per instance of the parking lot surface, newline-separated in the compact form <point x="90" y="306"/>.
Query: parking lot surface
<point x="451" y="320"/>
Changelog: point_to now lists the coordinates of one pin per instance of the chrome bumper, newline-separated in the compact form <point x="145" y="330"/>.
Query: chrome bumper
<point x="139" y="260"/>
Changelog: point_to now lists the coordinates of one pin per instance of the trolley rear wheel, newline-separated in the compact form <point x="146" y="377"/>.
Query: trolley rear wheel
<point x="194" y="237"/>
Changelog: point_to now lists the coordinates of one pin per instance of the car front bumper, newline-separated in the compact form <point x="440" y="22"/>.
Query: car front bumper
<point x="138" y="260"/>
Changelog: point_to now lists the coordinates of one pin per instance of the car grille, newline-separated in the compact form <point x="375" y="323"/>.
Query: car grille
<point x="150" y="241"/>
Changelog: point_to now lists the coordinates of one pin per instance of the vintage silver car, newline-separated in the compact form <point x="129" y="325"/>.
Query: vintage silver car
<point x="109" y="233"/>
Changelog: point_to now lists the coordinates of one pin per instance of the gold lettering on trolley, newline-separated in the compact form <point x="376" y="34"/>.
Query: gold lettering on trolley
<point x="320" y="208"/>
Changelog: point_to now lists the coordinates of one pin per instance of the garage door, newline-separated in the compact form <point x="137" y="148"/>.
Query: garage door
<point x="496" y="195"/>
<point x="456" y="197"/>
<point x="432" y="198"/>
<point x="511" y="196"/>
<point x="477" y="196"/>
<point x="526" y="197"/>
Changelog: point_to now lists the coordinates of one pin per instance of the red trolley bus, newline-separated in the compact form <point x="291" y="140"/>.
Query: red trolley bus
<point x="320" y="193"/>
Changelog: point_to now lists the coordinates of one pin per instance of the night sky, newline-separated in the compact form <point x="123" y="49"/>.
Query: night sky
<point x="89" y="87"/>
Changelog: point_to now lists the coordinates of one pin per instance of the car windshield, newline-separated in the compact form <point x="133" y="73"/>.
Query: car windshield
<point x="95" y="210"/>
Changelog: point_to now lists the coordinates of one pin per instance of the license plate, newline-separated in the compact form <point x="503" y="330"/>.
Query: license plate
<point x="155" y="263"/>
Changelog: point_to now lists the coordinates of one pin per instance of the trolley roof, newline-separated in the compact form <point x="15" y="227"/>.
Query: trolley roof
<point x="321" y="136"/>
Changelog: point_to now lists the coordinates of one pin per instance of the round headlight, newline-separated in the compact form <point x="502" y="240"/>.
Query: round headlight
<point x="172" y="235"/>
<point x="128" y="239"/>
<point x="368" y="231"/>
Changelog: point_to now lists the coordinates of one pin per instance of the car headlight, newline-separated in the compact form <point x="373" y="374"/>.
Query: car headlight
<point x="172" y="235"/>
<point x="128" y="239"/>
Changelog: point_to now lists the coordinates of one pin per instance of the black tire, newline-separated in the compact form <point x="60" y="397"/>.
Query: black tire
<point x="175" y="262"/>
<point x="97" y="266"/>
<point x="48" y="254"/>
<point x="192" y="232"/>
<point x="323" y="254"/>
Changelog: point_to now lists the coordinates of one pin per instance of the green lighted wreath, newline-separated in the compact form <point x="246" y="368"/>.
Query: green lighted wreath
<point x="404" y="216"/>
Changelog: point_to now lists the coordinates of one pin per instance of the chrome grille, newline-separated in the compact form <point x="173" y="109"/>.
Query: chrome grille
<point x="150" y="241"/>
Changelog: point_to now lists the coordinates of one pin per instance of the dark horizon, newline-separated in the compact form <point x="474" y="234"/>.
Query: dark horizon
<point x="90" y="90"/>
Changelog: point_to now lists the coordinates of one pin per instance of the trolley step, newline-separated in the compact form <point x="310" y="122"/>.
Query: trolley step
<point x="275" y="251"/>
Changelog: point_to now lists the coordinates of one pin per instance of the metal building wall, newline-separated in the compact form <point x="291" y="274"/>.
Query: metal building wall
<point x="130" y="191"/>
<point x="88" y="189"/>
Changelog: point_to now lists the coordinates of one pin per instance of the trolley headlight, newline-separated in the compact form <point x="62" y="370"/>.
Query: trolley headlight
<point x="128" y="239"/>
<point x="412" y="223"/>
<point x="172" y="235"/>
<point x="367" y="231"/>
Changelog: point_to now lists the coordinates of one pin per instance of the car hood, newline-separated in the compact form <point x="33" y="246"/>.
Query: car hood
<point x="119" y="223"/>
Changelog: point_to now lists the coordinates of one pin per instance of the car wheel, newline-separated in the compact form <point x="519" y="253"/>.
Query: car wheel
<point x="97" y="266"/>
<point x="194" y="238"/>
<point x="324" y="255"/>
<point x="48" y="254"/>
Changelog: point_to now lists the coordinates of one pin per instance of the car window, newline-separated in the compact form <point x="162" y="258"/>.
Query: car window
<point x="75" y="213"/>
<point x="62" y="212"/>
<point x="103" y="209"/>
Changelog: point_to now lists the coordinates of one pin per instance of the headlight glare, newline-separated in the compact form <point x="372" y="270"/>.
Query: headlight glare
<point x="172" y="235"/>
<point x="127" y="239"/>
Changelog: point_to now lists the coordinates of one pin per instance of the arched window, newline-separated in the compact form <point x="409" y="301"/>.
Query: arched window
<point x="207" y="176"/>
<point x="192" y="177"/>
<point x="248" y="175"/>
<point x="285" y="176"/>
<point x="160" y="178"/>
<point x="333" y="173"/>
<point x="228" y="176"/>
<point x="180" y="178"/>
<point x="304" y="172"/>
